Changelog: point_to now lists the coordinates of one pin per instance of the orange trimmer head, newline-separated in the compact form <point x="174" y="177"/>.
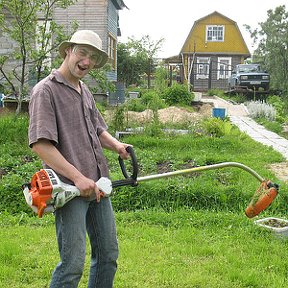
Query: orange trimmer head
<point x="262" y="198"/>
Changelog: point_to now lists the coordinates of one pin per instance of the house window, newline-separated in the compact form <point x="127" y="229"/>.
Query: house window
<point x="112" y="50"/>
<point x="215" y="33"/>
<point x="224" y="67"/>
<point x="203" y="67"/>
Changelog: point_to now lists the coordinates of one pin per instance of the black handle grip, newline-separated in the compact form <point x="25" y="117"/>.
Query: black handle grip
<point x="132" y="179"/>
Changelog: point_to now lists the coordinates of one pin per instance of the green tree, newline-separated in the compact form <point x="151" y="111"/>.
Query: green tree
<point x="272" y="46"/>
<point x="137" y="57"/>
<point x="32" y="38"/>
<point x="129" y="65"/>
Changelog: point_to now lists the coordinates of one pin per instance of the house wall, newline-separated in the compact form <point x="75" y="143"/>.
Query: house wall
<point x="212" y="81"/>
<point x="88" y="14"/>
<point x="100" y="16"/>
<point x="233" y="47"/>
<point x="112" y="30"/>
<point x="233" y="41"/>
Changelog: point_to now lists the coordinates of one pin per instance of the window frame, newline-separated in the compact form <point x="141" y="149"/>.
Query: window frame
<point x="215" y="33"/>
<point x="112" y="50"/>
<point x="220" y="64"/>
<point x="203" y="67"/>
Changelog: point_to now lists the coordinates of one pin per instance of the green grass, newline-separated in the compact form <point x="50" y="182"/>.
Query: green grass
<point x="185" y="248"/>
<point x="185" y="231"/>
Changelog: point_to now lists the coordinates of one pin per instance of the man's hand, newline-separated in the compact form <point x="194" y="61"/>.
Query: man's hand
<point x="121" y="150"/>
<point x="87" y="188"/>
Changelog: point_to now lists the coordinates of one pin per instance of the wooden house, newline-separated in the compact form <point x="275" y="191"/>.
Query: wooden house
<point x="101" y="16"/>
<point x="213" y="46"/>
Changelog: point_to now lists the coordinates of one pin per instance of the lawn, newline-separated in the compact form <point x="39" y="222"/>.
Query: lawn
<point x="184" y="231"/>
<point x="185" y="248"/>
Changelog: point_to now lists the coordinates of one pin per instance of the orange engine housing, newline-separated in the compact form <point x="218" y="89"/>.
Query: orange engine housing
<point x="41" y="190"/>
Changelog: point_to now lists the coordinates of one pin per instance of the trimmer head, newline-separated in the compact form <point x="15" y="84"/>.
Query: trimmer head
<point x="262" y="198"/>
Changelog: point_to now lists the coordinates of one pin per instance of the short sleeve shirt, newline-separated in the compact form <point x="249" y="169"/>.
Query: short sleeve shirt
<point x="71" y="121"/>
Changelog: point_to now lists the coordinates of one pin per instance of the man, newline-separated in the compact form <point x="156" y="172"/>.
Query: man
<point x="67" y="132"/>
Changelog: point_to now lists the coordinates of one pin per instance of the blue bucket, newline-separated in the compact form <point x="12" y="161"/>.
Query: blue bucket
<point x="219" y="113"/>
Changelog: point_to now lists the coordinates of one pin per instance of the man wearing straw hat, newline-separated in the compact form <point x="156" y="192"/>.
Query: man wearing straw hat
<point x="68" y="133"/>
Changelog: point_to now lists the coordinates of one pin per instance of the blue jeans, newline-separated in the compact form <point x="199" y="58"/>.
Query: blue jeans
<point x="72" y="222"/>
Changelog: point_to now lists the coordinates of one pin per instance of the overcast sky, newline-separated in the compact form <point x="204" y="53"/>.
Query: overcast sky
<point x="173" y="20"/>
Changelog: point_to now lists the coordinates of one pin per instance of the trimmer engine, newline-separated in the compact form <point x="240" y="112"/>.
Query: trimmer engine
<point x="47" y="192"/>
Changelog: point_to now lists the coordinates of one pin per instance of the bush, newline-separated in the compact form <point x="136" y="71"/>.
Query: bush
<point x="178" y="94"/>
<point x="135" y="105"/>
<point x="152" y="100"/>
<point x="280" y="106"/>
<point x="217" y="92"/>
<point x="216" y="127"/>
<point x="258" y="109"/>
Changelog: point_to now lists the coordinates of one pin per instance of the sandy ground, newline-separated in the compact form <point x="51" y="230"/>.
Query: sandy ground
<point x="280" y="170"/>
<point x="172" y="114"/>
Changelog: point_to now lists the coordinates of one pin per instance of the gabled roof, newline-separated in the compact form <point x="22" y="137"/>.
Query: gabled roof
<point x="215" y="13"/>
<point x="119" y="4"/>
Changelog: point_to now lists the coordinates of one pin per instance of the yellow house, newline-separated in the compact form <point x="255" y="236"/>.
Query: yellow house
<point x="213" y="46"/>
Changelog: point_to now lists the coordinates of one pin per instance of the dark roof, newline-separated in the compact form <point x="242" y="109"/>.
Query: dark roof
<point x="119" y="4"/>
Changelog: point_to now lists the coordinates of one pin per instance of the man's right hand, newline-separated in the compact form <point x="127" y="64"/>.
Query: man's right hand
<point x="87" y="188"/>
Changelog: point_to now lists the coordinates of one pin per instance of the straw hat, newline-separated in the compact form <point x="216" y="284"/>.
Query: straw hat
<point x="86" y="37"/>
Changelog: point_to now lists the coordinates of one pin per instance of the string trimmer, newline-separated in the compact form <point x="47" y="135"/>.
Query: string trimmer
<point x="46" y="192"/>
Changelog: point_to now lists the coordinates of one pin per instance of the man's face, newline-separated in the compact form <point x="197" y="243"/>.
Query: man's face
<point x="81" y="60"/>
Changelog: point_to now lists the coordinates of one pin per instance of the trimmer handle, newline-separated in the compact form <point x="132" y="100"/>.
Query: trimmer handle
<point x="129" y="180"/>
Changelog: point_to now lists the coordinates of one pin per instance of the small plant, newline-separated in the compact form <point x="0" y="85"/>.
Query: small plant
<point x="177" y="94"/>
<point x="118" y="118"/>
<point x="281" y="107"/>
<point x="217" y="127"/>
<point x="258" y="109"/>
<point x="135" y="105"/>
<point x="217" y="92"/>
<point x="152" y="100"/>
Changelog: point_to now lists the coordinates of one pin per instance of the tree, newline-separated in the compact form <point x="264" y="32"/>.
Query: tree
<point x="129" y="65"/>
<point x="272" y="49"/>
<point x="138" y="57"/>
<point x="33" y="41"/>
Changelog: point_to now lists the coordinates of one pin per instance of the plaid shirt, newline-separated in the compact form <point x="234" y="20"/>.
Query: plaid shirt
<point x="71" y="122"/>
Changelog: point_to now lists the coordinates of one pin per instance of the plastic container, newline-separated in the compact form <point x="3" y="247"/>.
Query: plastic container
<point x="277" y="225"/>
<point x="219" y="113"/>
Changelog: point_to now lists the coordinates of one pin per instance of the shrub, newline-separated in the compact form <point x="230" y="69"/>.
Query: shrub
<point x="217" y="92"/>
<point x="118" y="118"/>
<point x="177" y="94"/>
<point x="135" y="105"/>
<point x="217" y="127"/>
<point x="280" y="106"/>
<point x="258" y="109"/>
<point x="152" y="100"/>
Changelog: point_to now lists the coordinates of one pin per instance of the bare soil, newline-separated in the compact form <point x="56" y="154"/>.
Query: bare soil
<point x="280" y="170"/>
<point x="171" y="114"/>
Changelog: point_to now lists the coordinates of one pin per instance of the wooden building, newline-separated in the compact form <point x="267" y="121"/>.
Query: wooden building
<point x="101" y="16"/>
<point x="213" y="46"/>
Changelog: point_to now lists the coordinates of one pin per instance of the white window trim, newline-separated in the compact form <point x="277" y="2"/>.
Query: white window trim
<point x="222" y="61"/>
<point x="203" y="61"/>
<point x="216" y="39"/>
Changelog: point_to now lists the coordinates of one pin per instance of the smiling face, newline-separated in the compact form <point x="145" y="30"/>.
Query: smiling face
<point x="80" y="60"/>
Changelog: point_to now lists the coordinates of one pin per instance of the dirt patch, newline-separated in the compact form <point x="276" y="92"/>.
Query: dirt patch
<point x="173" y="114"/>
<point x="280" y="170"/>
